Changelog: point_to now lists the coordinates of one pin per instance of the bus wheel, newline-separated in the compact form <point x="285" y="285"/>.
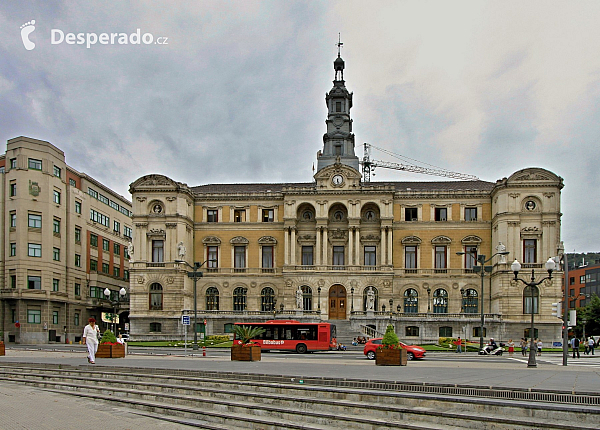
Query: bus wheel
<point x="300" y="348"/>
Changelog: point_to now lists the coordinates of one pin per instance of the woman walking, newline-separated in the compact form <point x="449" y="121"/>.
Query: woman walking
<point x="90" y="338"/>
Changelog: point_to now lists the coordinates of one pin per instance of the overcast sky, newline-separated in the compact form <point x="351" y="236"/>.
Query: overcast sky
<point x="237" y="93"/>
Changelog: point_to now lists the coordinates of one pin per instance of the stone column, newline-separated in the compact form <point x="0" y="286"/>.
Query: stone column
<point x="350" y="246"/>
<point x="383" y="243"/>
<point x="325" y="262"/>
<point x="389" y="246"/>
<point x="317" y="255"/>
<point x="286" y="247"/>
<point x="293" y="247"/>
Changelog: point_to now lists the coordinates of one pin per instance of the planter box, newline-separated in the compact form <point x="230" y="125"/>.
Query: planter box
<point x="2" y="349"/>
<point x="245" y="353"/>
<point x="391" y="357"/>
<point x="110" y="351"/>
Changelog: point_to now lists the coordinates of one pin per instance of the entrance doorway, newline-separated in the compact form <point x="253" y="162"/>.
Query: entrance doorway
<point x="337" y="302"/>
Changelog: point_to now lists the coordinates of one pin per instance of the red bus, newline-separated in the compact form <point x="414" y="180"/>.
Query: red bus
<point x="291" y="335"/>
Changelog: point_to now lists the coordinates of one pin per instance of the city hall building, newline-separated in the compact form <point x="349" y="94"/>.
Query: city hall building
<point x="346" y="250"/>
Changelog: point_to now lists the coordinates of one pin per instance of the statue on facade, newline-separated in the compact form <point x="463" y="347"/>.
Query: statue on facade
<point x="180" y="250"/>
<point x="370" y="299"/>
<point x="501" y="248"/>
<point x="299" y="301"/>
<point x="130" y="251"/>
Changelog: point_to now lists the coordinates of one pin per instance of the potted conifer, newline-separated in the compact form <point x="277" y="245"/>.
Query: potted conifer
<point x="109" y="347"/>
<point x="390" y="353"/>
<point x="243" y="349"/>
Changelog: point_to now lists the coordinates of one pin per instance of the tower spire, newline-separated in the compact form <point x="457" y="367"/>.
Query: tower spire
<point x="339" y="44"/>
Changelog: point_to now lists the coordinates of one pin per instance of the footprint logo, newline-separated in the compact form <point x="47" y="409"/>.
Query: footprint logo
<point x="26" y="30"/>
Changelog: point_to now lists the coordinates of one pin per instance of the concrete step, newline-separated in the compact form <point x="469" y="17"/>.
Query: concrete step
<point x="290" y="401"/>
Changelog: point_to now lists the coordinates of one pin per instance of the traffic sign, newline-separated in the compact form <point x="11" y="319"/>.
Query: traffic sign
<point x="185" y="319"/>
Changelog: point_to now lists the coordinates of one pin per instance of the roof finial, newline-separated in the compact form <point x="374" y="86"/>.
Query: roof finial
<point x="339" y="44"/>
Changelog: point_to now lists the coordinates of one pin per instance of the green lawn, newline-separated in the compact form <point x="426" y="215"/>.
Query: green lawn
<point x="180" y="344"/>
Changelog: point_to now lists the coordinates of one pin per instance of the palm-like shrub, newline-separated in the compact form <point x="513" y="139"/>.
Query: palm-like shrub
<point x="245" y="333"/>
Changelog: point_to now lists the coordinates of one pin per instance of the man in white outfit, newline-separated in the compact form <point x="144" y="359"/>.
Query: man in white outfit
<point x="90" y="338"/>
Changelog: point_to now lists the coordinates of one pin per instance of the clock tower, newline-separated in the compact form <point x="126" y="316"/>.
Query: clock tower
<point x="338" y="142"/>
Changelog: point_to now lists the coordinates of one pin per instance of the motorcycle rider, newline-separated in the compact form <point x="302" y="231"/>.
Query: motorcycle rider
<point x="492" y="344"/>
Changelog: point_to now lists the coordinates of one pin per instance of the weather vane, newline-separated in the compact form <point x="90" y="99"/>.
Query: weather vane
<point x="339" y="44"/>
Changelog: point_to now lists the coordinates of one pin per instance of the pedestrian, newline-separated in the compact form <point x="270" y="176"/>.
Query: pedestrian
<point x="90" y="338"/>
<point x="539" y="346"/>
<point x="586" y="346"/>
<point x="575" y="346"/>
<point x="523" y="346"/>
<point x="591" y="345"/>
<point x="511" y="347"/>
<point x="458" y="345"/>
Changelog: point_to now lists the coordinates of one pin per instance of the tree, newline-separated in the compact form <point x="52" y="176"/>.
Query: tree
<point x="591" y="314"/>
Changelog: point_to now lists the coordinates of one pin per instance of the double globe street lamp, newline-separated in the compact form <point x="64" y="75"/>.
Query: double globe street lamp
<point x="115" y="303"/>
<point x="516" y="267"/>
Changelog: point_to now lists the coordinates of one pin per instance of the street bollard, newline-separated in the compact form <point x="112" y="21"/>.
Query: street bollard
<point x="203" y="350"/>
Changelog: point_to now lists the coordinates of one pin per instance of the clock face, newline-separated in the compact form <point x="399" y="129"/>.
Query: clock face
<point x="338" y="179"/>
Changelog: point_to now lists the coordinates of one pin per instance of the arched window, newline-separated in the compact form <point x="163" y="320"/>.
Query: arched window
<point x="266" y="299"/>
<point x="239" y="299"/>
<point x="411" y="301"/>
<point x="155" y="327"/>
<point x="470" y="301"/>
<point x="365" y="298"/>
<point x="306" y="297"/>
<point x="212" y="299"/>
<point x="156" y="297"/>
<point x="527" y="300"/>
<point x="440" y="301"/>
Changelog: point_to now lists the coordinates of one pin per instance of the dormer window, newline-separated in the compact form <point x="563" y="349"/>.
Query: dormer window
<point x="338" y="106"/>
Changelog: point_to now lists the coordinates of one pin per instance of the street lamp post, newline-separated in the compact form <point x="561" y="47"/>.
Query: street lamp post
<point x="115" y="303"/>
<point x="194" y="274"/>
<point x="428" y="300"/>
<point x="481" y="268"/>
<point x="391" y="309"/>
<point x="515" y="267"/>
<point x="352" y="301"/>
<point x="319" y="300"/>
<point x="274" y="308"/>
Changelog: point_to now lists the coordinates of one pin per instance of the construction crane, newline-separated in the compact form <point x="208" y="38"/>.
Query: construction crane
<point x="369" y="166"/>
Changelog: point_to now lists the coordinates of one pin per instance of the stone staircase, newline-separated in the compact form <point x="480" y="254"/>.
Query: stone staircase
<point x="226" y="400"/>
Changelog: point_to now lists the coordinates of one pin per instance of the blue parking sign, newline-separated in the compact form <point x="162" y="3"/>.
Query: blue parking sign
<point x="185" y="319"/>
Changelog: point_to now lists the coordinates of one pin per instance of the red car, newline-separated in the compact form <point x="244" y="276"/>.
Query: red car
<point x="412" y="351"/>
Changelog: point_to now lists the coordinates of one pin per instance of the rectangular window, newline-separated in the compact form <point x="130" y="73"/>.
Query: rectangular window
<point x="105" y="245"/>
<point x="76" y="319"/>
<point x="117" y="226"/>
<point x="239" y="253"/>
<point x="55" y="284"/>
<point x="338" y="106"/>
<point x="441" y="214"/>
<point x="410" y="214"/>
<point x="370" y="256"/>
<point x="34" y="221"/>
<point x="34" y="250"/>
<point x="127" y="232"/>
<point x="93" y="265"/>
<point x="72" y="182"/>
<point x="105" y="268"/>
<point x="307" y="256"/>
<point x="212" y="215"/>
<point x="470" y="214"/>
<point x="13" y="281"/>
<point x="93" y="193"/>
<point x="56" y="197"/>
<point x="126" y="275"/>
<point x="77" y="235"/>
<point x="470" y="256"/>
<point x="13" y="163"/>
<point x="99" y="218"/>
<point x="157" y="251"/>
<point x="117" y="249"/>
<point x="267" y="257"/>
<point x="114" y="205"/>
<point x="57" y="171"/>
<point x="13" y="219"/>
<point x="117" y="272"/>
<point x="13" y="316"/>
<point x="77" y="207"/>
<point x="338" y="256"/>
<point x="582" y="279"/>
<point x="56" y="226"/>
<point x="13" y="249"/>
<point x="77" y="289"/>
<point x="267" y="215"/>
<point x="34" y="316"/>
<point x="239" y="215"/>
<point x="440" y="257"/>
<point x="93" y="240"/>
<point x="77" y="260"/>
<point x="212" y="255"/>
<point x="35" y="164"/>
<point x="410" y="257"/>
<point x="12" y="192"/>
<point x="103" y="199"/>
<point x="56" y="254"/>
<point x="530" y="251"/>
<point x="34" y="282"/>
